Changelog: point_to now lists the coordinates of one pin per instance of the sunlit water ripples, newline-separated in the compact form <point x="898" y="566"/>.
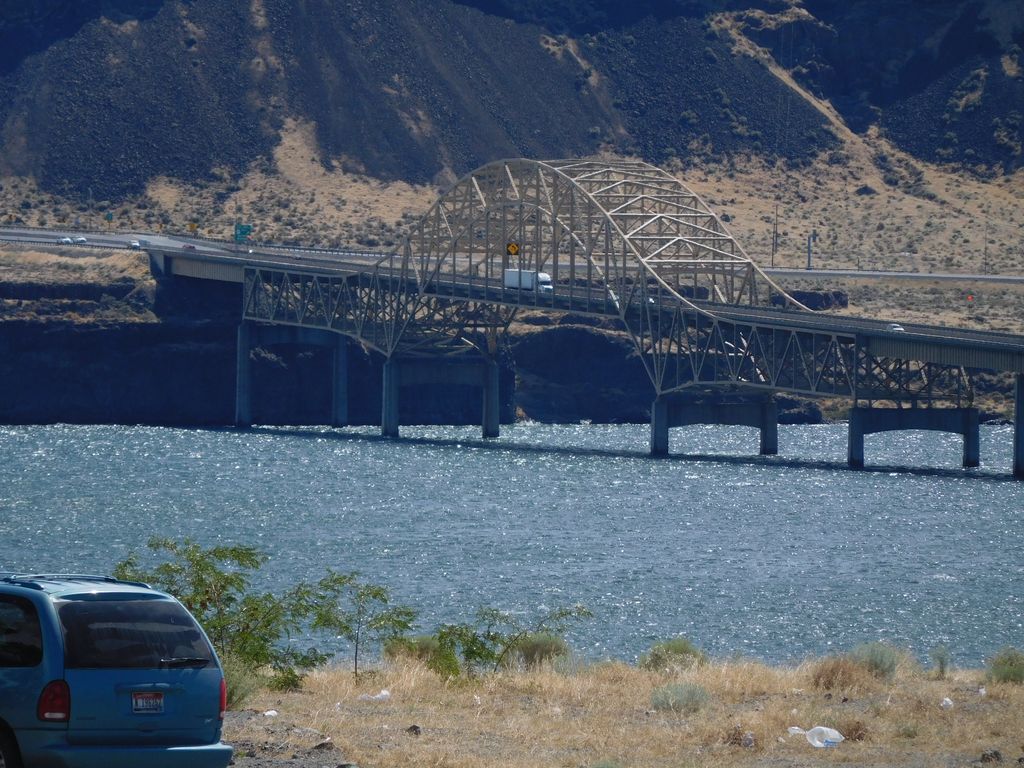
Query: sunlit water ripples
<point x="777" y="558"/>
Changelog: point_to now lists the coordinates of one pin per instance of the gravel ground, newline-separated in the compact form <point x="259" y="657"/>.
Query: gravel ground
<point x="268" y="742"/>
<point x="262" y="741"/>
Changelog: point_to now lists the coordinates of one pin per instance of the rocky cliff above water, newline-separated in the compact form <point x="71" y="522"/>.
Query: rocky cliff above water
<point x="90" y="357"/>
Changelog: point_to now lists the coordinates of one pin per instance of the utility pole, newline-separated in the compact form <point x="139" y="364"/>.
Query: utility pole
<point x="810" y="239"/>
<point x="984" y="252"/>
<point x="775" y="234"/>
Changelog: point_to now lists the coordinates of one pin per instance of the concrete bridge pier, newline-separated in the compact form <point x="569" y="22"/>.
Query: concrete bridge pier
<point x="419" y="371"/>
<point x="669" y="412"/>
<point x="252" y="335"/>
<point x="1018" y="427"/>
<point x="339" y="388"/>
<point x="659" y="427"/>
<point x="866" y="421"/>
<point x="243" y="376"/>
<point x="492" y="400"/>
<point x="389" y="399"/>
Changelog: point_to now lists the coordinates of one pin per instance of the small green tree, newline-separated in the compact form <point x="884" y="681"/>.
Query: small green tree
<point x="942" y="659"/>
<point x="245" y="627"/>
<point x="496" y="634"/>
<point x="358" y="611"/>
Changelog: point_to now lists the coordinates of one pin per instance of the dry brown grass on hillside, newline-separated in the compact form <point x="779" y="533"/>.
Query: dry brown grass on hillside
<point x="957" y="304"/>
<point x="872" y="207"/>
<point x="933" y="220"/>
<point x="293" y="198"/>
<point x="79" y="265"/>
<point x="82" y="286"/>
<point x="604" y="713"/>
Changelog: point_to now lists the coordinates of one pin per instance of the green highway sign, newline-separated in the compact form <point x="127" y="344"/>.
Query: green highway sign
<point x="242" y="232"/>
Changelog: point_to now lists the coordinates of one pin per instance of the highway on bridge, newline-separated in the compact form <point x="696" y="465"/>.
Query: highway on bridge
<point x="351" y="261"/>
<point x="343" y="259"/>
<point x="620" y="239"/>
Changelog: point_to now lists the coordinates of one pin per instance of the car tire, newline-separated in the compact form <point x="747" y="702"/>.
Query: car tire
<point x="8" y="752"/>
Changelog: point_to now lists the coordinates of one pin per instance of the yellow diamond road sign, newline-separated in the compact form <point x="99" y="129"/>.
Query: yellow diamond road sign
<point x="512" y="248"/>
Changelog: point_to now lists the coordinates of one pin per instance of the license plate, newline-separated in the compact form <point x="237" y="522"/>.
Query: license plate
<point x="147" y="702"/>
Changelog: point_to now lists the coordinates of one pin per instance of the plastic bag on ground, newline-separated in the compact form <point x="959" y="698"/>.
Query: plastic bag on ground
<point x="819" y="736"/>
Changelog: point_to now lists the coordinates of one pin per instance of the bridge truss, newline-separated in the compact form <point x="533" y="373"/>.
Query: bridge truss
<point x="619" y="239"/>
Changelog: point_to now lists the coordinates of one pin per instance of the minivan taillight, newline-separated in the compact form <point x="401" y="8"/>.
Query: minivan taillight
<point x="54" y="702"/>
<point x="223" y="697"/>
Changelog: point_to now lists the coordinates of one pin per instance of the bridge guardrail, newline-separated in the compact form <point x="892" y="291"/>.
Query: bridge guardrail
<point x="99" y="246"/>
<point x="190" y="236"/>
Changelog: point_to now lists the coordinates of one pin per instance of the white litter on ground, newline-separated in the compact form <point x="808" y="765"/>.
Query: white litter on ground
<point x="819" y="736"/>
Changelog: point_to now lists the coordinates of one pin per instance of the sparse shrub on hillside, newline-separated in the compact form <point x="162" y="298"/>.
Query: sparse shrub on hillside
<point x="420" y="647"/>
<point x="672" y="655"/>
<point x="424" y="648"/>
<point x="686" y="698"/>
<point x="838" y="673"/>
<point x="539" y="648"/>
<point x="496" y="633"/>
<point x="242" y="682"/>
<point x="942" y="659"/>
<point x="881" y="659"/>
<point x="1007" y="666"/>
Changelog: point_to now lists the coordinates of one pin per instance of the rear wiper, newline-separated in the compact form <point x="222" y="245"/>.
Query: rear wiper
<point x="184" y="661"/>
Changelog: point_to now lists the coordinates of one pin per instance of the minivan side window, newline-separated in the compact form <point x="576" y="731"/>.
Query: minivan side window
<point x="21" y="639"/>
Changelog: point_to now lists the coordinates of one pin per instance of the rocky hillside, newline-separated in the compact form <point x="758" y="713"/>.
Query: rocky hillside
<point x="894" y="132"/>
<point x="98" y="97"/>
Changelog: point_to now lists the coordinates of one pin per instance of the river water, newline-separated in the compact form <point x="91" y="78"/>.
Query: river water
<point x="775" y="558"/>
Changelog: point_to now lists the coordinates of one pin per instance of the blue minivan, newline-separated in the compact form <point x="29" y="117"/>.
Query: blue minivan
<point x="101" y="673"/>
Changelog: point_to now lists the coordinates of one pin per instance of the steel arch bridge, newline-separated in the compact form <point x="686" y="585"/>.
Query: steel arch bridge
<point x="618" y="238"/>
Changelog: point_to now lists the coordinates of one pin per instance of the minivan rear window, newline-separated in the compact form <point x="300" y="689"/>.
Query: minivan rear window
<point x="126" y="633"/>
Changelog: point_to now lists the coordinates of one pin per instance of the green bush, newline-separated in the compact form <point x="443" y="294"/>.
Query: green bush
<point x="672" y="655"/>
<point x="425" y="648"/>
<point x="880" y="659"/>
<point x="491" y="641"/>
<point x="1007" y="666"/>
<point x="420" y="647"/>
<point x="250" y="628"/>
<point x="680" y="697"/>
<point x="539" y="648"/>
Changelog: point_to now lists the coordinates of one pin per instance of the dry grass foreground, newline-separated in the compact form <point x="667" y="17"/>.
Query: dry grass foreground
<point x="602" y="715"/>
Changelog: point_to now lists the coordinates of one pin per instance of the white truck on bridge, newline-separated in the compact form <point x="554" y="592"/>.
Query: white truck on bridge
<point x="528" y="280"/>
